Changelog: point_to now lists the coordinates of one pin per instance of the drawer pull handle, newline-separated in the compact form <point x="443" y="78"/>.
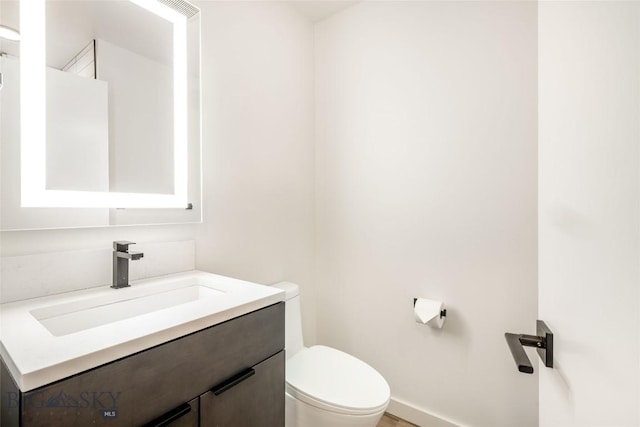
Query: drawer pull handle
<point x="233" y="381"/>
<point x="170" y="416"/>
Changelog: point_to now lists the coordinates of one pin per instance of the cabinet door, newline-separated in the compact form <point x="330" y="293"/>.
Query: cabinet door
<point x="185" y="415"/>
<point x="247" y="399"/>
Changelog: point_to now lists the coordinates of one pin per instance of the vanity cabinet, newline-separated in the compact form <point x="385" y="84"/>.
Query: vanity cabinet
<point x="231" y="374"/>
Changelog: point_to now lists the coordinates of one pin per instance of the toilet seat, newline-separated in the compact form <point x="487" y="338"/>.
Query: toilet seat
<point x="335" y="381"/>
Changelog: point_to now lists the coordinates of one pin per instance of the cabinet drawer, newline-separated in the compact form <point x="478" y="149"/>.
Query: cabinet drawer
<point x="185" y="415"/>
<point x="258" y="400"/>
<point x="142" y="387"/>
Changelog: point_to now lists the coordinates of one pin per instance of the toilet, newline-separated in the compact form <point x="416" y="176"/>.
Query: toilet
<point x="326" y="387"/>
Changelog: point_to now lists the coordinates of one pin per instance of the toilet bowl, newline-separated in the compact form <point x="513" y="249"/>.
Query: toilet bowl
<point x="326" y="387"/>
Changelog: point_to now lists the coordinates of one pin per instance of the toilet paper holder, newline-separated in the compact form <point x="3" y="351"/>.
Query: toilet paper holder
<point x="443" y="313"/>
<point x="543" y="342"/>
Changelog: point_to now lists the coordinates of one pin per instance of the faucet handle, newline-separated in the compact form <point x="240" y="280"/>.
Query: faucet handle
<point x="122" y="245"/>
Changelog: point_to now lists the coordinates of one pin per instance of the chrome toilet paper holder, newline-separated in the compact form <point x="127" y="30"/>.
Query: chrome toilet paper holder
<point x="443" y="313"/>
<point x="543" y="342"/>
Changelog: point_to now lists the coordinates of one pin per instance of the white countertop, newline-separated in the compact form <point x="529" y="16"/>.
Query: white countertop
<point x="35" y="357"/>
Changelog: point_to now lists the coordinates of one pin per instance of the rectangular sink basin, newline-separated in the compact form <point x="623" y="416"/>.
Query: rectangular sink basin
<point x="68" y="318"/>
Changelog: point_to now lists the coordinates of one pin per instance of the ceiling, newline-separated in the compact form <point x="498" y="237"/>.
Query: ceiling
<point x="317" y="10"/>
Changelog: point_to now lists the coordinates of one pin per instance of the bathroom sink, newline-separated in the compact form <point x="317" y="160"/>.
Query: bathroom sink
<point x="46" y="339"/>
<point x="67" y="318"/>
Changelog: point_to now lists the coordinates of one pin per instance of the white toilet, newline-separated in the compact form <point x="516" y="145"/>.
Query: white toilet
<point x="327" y="387"/>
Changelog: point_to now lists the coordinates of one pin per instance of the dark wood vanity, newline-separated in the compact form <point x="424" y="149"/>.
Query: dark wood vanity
<point x="231" y="374"/>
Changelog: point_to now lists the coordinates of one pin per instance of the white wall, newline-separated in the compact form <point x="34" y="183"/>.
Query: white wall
<point x="589" y="211"/>
<point x="43" y="262"/>
<point x="426" y="186"/>
<point x="47" y="273"/>
<point x="17" y="243"/>
<point x="257" y="69"/>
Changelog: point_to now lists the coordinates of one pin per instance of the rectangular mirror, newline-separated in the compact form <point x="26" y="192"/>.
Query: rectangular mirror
<point x="108" y="94"/>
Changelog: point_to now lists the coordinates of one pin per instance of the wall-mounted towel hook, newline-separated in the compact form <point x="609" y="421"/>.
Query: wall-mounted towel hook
<point x="543" y="342"/>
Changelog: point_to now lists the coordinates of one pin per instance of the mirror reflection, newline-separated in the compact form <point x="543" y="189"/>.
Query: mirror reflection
<point x="109" y="98"/>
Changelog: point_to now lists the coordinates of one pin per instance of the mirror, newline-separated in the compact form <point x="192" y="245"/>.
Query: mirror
<point x="109" y="106"/>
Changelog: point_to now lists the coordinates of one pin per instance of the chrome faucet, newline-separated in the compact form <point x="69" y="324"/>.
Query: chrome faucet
<point x="121" y="257"/>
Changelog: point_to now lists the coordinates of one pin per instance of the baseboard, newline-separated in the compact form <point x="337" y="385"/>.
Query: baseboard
<point x="416" y="415"/>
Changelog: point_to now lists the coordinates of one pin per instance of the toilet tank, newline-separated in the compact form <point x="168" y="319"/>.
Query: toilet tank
<point x="293" y="341"/>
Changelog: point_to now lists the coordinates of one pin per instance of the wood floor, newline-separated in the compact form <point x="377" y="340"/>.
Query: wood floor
<point x="389" y="420"/>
